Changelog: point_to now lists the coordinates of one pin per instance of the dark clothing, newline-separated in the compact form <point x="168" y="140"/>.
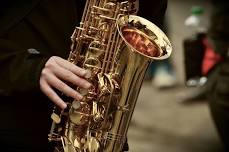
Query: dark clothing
<point x="219" y="23"/>
<point x="31" y="32"/>
<point x="218" y="95"/>
<point x="218" y="91"/>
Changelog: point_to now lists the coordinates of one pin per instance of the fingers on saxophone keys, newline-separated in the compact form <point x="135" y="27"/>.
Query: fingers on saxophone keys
<point x="86" y="74"/>
<point x="63" y="87"/>
<point x="71" y="77"/>
<point x="73" y="68"/>
<point x="52" y="94"/>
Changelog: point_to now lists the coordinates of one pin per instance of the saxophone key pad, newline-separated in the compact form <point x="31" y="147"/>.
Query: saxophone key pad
<point x="76" y="105"/>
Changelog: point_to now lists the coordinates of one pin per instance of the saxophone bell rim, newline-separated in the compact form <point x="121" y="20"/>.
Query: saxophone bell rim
<point x="161" y="42"/>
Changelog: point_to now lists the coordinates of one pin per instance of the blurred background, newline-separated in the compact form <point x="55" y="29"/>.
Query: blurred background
<point x="170" y="117"/>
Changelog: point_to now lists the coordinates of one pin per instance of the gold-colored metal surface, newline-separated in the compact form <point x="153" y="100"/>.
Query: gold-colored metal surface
<point x="117" y="48"/>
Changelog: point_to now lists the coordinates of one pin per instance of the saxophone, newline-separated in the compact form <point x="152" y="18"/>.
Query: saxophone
<point x="117" y="47"/>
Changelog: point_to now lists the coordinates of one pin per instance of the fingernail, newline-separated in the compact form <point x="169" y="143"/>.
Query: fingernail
<point x="80" y="97"/>
<point x="88" y="85"/>
<point x="87" y="74"/>
<point x="64" y="106"/>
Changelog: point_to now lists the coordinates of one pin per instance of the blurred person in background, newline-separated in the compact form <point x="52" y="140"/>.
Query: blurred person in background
<point x="218" y="82"/>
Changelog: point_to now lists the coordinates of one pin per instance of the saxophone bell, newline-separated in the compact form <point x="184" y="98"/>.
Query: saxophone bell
<point x="144" y="37"/>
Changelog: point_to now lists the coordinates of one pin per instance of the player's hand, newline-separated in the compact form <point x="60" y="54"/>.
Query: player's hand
<point x="56" y="74"/>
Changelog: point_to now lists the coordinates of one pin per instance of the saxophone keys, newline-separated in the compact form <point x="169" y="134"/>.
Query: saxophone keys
<point x="79" y="113"/>
<point x="93" y="144"/>
<point x="75" y="105"/>
<point x="56" y="118"/>
<point x="83" y="92"/>
<point x="77" y="143"/>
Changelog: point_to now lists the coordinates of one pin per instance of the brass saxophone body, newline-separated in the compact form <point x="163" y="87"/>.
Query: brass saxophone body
<point x="117" y="47"/>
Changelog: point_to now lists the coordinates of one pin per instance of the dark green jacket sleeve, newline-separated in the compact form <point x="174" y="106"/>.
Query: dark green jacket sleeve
<point x="20" y="69"/>
<point x="31" y="32"/>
